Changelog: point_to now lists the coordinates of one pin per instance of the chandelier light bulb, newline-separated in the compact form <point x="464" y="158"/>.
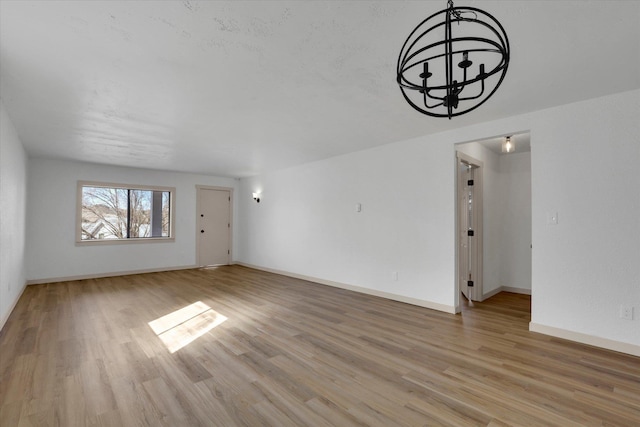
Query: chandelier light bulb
<point x="508" y="146"/>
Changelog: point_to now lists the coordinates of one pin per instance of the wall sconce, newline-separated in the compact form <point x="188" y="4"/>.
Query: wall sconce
<point x="256" y="197"/>
<point x="508" y="145"/>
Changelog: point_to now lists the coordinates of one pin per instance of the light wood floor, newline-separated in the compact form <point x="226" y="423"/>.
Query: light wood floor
<point x="292" y="353"/>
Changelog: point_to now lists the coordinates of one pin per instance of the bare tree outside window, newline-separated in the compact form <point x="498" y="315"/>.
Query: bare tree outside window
<point x="104" y="211"/>
<point x="110" y="213"/>
<point x="140" y="222"/>
<point x="166" y="219"/>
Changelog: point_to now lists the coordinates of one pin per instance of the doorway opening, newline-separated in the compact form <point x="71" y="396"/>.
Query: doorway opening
<point x="493" y="219"/>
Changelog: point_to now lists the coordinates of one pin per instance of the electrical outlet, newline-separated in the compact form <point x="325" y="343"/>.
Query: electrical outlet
<point x="626" y="312"/>
<point x="394" y="276"/>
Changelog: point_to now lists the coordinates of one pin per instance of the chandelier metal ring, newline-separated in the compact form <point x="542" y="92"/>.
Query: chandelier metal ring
<point x="442" y="96"/>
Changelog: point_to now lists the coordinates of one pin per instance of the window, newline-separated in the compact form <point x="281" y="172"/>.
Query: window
<point x="124" y="213"/>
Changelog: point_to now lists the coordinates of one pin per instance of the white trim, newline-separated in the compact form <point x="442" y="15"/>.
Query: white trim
<point x="516" y="290"/>
<point x="111" y="274"/>
<point x="605" y="343"/>
<point x="506" y="289"/>
<point x="408" y="300"/>
<point x="3" y="321"/>
<point x="135" y="240"/>
<point x="494" y="292"/>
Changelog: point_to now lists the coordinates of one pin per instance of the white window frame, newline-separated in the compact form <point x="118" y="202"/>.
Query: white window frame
<point x="172" y="203"/>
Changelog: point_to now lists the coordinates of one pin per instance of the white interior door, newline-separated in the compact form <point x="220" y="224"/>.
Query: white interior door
<point x="470" y="227"/>
<point x="463" y="220"/>
<point x="214" y="226"/>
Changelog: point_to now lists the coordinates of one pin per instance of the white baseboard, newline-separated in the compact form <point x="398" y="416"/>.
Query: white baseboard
<point x="606" y="343"/>
<point x="515" y="290"/>
<point x="506" y="289"/>
<point x="110" y="274"/>
<point x="5" y="317"/>
<point x="489" y="294"/>
<point x="408" y="300"/>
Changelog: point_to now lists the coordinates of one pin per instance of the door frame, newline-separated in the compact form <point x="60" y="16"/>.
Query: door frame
<point x="477" y="294"/>
<point x="197" y="228"/>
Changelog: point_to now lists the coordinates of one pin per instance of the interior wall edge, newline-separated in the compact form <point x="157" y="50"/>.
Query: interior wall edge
<point x="5" y="317"/>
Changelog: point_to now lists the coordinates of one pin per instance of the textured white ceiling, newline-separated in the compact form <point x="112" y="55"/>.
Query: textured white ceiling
<point x="237" y="88"/>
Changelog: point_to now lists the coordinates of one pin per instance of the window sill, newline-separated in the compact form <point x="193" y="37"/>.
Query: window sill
<point x="136" y="240"/>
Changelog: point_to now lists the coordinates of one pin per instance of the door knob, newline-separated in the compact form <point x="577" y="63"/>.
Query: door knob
<point x="202" y="231"/>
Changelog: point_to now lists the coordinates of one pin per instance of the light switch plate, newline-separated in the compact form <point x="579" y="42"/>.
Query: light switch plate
<point x="626" y="312"/>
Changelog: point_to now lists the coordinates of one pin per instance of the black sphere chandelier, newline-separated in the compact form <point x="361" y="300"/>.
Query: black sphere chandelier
<point x="470" y="34"/>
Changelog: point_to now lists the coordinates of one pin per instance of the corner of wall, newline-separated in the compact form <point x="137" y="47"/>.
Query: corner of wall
<point x="5" y="315"/>
<point x="13" y="202"/>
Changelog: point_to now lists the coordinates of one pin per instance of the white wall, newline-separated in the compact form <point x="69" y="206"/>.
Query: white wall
<point x="306" y="222"/>
<point x="583" y="165"/>
<point x="13" y="202"/>
<point x="515" y="220"/>
<point x="51" y="249"/>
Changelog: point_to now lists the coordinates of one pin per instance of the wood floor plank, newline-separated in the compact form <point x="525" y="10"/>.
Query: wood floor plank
<point x="291" y="352"/>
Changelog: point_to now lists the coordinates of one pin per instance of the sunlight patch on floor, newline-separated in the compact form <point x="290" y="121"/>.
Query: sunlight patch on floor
<point x="183" y="326"/>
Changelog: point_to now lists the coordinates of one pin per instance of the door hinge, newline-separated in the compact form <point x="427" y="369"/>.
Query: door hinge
<point x="228" y="252"/>
<point x="470" y="283"/>
<point x="470" y="233"/>
<point x="470" y="183"/>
